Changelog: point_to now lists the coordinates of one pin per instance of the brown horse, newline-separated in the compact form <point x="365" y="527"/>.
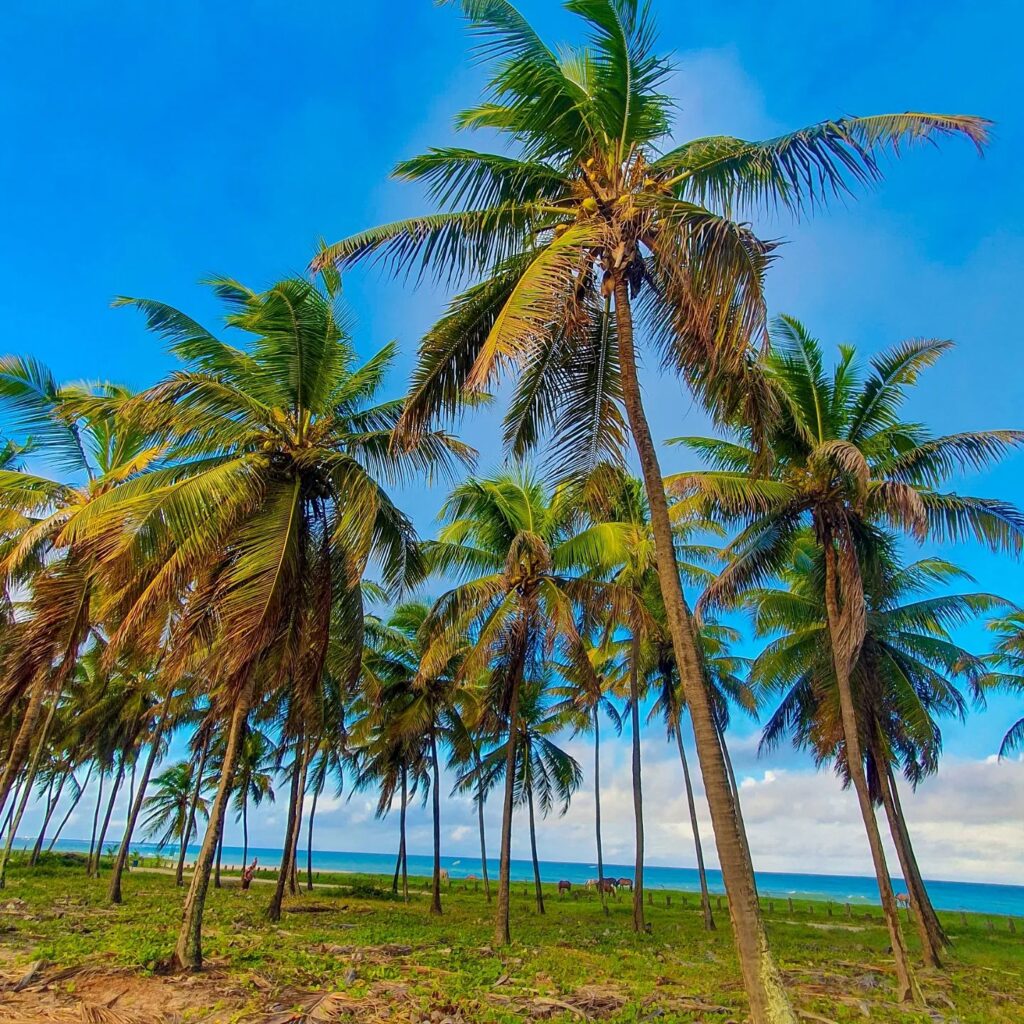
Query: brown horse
<point x="608" y="885"/>
<point x="564" y="886"/>
<point x="625" y="883"/>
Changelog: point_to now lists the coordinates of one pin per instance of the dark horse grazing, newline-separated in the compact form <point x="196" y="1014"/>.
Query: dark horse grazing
<point x="608" y="885"/>
<point x="625" y="883"/>
<point x="564" y="886"/>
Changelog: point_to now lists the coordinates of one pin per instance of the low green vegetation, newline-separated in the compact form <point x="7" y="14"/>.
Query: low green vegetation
<point x="350" y="950"/>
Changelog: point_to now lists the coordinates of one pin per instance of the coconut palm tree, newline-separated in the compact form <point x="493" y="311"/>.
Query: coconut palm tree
<point x="841" y="461"/>
<point x="254" y="780"/>
<point x="422" y="706"/>
<point x="1007" y="662"/>
<point x="93" y="451"/>
<point x="271" y="505"/>
<point x="907" y="676"/>
<point x="592" y="208"/>
<point x="585" y="697"/>
<point x="517" y="549"/>
<point x="544" y="774"/>
<point x="723" y="671"/>
<point x="168" y="809"/>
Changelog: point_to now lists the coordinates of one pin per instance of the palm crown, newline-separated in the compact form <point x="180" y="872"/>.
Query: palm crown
<point x="841" y="456"/>
<point x="596" y="193"/>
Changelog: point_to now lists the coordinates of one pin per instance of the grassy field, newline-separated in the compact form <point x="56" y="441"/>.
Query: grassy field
<point x="353" y="952"/>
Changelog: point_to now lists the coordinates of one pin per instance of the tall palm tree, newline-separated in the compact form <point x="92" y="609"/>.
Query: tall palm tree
<point x="271" y="505"/>
<point x="842" y="460"/>
<point x="726" y="687"/>
<point x="907" y="676"/>
<point x="544" y="774"/>
<point x="254" y="780"/>
<point x="596" y="210"/>
<point x="585" y="697"/>
<point x="1007" y="661"/>
<point x="420" y="705"/>
<point x="518" y="549"/>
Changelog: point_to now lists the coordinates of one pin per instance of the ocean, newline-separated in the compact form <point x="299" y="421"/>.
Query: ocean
<point x="978" y="897"/>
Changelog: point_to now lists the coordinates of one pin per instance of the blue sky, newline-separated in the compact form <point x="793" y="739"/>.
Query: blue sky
<point x="148" y="145"/>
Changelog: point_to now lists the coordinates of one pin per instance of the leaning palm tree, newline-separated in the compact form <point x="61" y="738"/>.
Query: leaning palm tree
<point x="1007" y="664"/>
<point x="518" y="549"/>
<point x="907" y="676"/>
<point x="842" y="461"/>
<point x="593" y="224"/>
<point x="272" y="502"/>
<point x="91" y="451"/>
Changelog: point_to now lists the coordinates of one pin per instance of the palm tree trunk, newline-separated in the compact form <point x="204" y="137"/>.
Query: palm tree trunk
<point x="118" y="779"/>
<point x="480" y="797"/>
<point x="639" y="925"/>
<point x="538" y="890"/>
<point x="190" y="818"/>
<point x="293" y="879"/>
<point x="705" y="898"/>
<point x="114" y="893"/>
<point x="769" y="1003"/>
<point x="188" y="953"/>
<point x="934" y="924"/>
<point x="309" y="842"/>
<point x="933" y="938"/>
<point x="9" y="816"/>
<point x="245" y="828"/>
<point x="95" y="825"/>
<point x="403" y="846"/>
<point x="70" y="810"/>
<point x="22" y="741"/>
<point x="435" y="899"/>
<point x="845" y="620"/>
<point x="220" y="854"/>
<point x="26" y="792"/>
<point x="52" y="800"/>
<point x="597" y="805"/>
<point x="502" y="932"/>
<point x="274" y="910"/>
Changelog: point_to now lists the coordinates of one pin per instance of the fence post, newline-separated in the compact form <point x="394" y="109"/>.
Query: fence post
<point x="790" y="902"/>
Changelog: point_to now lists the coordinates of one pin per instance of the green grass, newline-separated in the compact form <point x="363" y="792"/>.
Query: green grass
<point x="391" y="960"/>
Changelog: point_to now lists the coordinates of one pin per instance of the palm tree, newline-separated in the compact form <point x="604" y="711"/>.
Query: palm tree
<point x="95" y="451"/>
<point x="585" y="697"/>
<point x="841" y="460"/>
<point x="591" y="209"/>
<point x="271" y="505"/>
<point x="543" y="774"/>
<point x="1007" y="661"/>
<point x="518" y="549"/>
<point x="906" y="676"/>
<point x="169" y="808"/>
<point x="254" y="780"/>
<point x="726" y="687"/>
<point x="417" y="705"/>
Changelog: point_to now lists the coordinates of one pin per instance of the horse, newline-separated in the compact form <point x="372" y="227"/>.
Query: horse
<point x="564" y="886"/>
<point x="903" y="900"/>
<point x="592" y="883"/>
<point x="608" y="885"/>
<point x="444" y="876"/>
<point x="625" y="883"/>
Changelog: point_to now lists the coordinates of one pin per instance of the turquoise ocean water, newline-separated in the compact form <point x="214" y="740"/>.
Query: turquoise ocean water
<point x="970" y="896"/>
